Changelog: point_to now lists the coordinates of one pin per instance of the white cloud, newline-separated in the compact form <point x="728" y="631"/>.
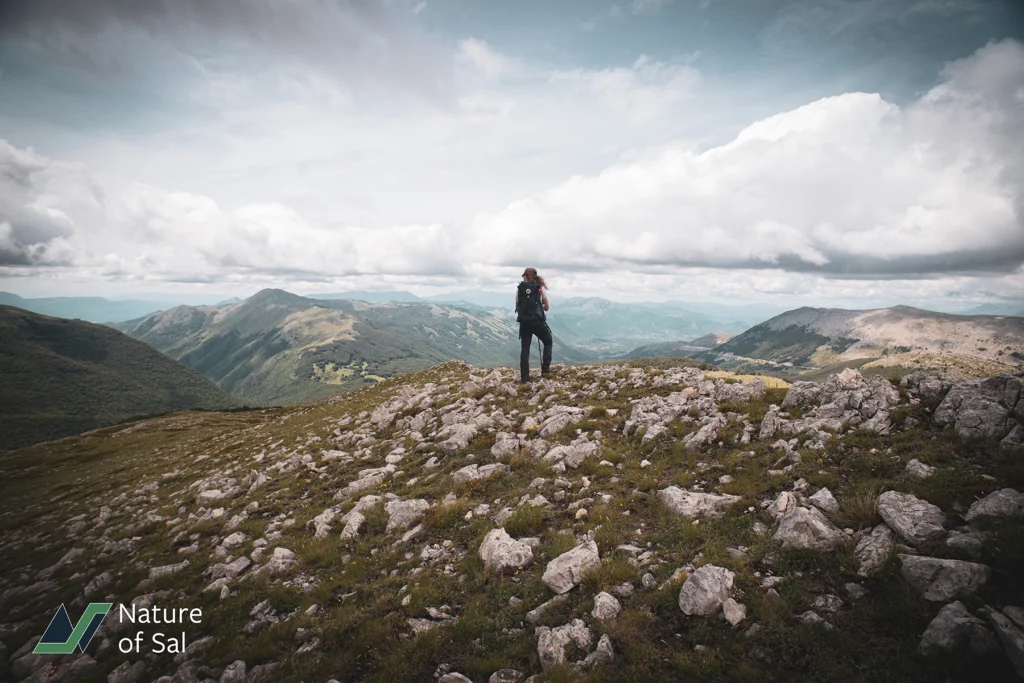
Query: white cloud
<point x="646" y="6"/>
<point x="486" y="60"/>
<point x="846" y="186"/>
<point x="643" y="91"/>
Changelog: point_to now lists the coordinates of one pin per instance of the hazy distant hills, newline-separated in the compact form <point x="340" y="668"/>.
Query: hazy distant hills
<point x="277" y="347"/>
<point x="62" y="377"/>
<point x="92" y="308"/>
<point x="901" y="336"/>
<point x="675" y="349"/>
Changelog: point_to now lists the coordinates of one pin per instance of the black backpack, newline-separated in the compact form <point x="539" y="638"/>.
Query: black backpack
<point x="530" y="308"/>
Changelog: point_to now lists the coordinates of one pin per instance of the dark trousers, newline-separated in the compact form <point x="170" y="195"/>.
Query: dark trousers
<point x="526" y="333"/>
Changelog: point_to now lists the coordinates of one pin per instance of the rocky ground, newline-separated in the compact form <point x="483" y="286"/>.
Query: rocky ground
<point x="619" y="522"/>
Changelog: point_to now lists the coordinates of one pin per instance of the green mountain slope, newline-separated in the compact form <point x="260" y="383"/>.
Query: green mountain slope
<point x="277" y="347"/>
<point x="62" y="377"/>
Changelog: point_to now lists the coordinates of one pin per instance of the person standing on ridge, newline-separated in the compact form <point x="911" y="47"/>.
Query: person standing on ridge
<point x="531" y="304"/>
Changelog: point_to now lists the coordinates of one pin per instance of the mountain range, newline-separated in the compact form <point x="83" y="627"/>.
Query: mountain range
<point x="278" y="347"/>
<point x="901" y="336"/>
<point x="62" y="377"/>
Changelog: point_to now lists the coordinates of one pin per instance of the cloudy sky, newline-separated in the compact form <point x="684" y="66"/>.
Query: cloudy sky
<point x="818" y="152"/>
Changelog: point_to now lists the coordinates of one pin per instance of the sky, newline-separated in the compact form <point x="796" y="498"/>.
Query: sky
<point x="850" y="153"/>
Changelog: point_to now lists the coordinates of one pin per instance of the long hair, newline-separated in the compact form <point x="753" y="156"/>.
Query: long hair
<point x="531" y="274"/>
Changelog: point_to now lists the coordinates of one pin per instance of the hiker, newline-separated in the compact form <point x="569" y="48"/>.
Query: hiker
<point x="531" y="303"/>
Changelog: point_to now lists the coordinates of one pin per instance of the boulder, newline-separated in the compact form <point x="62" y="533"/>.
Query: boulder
<point x="984" y="407"/>
<point x="954" y="627"/>
<point x="502" y="553"/>
<point x="1011" y="636"/>
<point x="873" y="550"/>
<point x="918" y="470"/>
<point x="783" y="503"/>
<point x="915" y="521"/>
<point x="127" y="673"/>
<point x="567" y="570"/>
<point x="234" y="672"/>
<point x="705" y="590"/>
<point x="696" y="504"/>
<point x="825" y="501"/>
<point x="808" y="529"/>
<point x="475" y="472"/>
<point x="551" y="642"/>
<point x="404" y="513"/>
<point x="605" y="606"/>
<point x="996" y="505"/>
<point x="734" y="612"/>
<point x="602" y="654"/>
<point x="942" y="580"/>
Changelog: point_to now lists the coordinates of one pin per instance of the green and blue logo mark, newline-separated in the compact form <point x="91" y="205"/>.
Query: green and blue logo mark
<point x="61" y="638"/>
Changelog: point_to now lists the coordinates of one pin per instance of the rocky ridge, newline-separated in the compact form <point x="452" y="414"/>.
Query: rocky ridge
<point x="551" y="523"/>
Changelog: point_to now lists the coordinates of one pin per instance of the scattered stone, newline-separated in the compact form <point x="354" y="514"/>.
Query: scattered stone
<point x="501" y="553"/>
<point x="942" y="580"/>
<point x="696" y="504"/>
<point x="734" y="612"/>
<point x="808" y="529"/>
<point x="605" y="607"/>
<point x="566" y="571"/>
<point x="996" y="505"/>
<point x="603" y="654"/>
<point x="954" y="627"/>
<point x="914" y="520"/>
<point x="825" y="501"/>
<point x="705" y="590"/>
<point x="403" y="513"/>
<point x="918" y="470"/>
<point x="874" y="549"/>
<point x="551" y="642"/>
<point x="534" y="615"/>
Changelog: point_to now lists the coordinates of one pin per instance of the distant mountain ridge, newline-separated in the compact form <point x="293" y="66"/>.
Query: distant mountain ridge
<point x="898" y="336"/>
<point x="92" y="308"/>
<point x="63" y="377"/>
<point x="278" y="347"/>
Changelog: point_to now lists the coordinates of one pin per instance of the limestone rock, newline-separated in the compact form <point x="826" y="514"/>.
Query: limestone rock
<point x="783" y="503"/>
<point x="605" y="606"/>
<point x="996" y="505"/>
<point x="873" y="550"/>
<point x="505" y="676"/>
<point x="1011" y="637"/>
<point x="602" y="654"/>
<point x="808" y="529"/>
<point x="234" y="672"/>
<point x="404" y="513"/>
<point x="942" y="580"/>
<point x="502" y="553"/>
<point x="567" y="570"/>
<point x="551" y="642"/>
<point x="705" y="590"/>
<point x="734" y="612"/>
<point x="696" y="504"/>
<point x="983" y="407"/>
<point x="954" y="627"/>
<point x="127" y="673"/>
<point x="918" y="470"/>
<point x="915" y="521"/>
<point x="825" y="501"/>
<point x="475" y="472"/>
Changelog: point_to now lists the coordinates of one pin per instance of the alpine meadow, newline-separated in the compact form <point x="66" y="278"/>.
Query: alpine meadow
<point x="511" y="341"/>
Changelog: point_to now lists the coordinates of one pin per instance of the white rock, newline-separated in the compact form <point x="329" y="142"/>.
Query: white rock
<point x="502" y="553"/>
<point x="953" y="627"/>
<point x="825" y="501"/>
<point x="918" y="470"/>
<point x="943" y="580"/>
<point x="808" y="529"/>
<point x="996" y="505"/>
<point x="734" y="612"/>
<point x="873" y="550"/>
<point x="705" y="590"/>
<point x="605" y="606"/>
<point x="695" y="503"/>
<point x="551" y="642"/>
<point x="567" y="570"/>
<point x="915" y="521"/>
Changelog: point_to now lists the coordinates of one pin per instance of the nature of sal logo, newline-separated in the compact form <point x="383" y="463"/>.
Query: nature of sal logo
<point x="61" y="638"/>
